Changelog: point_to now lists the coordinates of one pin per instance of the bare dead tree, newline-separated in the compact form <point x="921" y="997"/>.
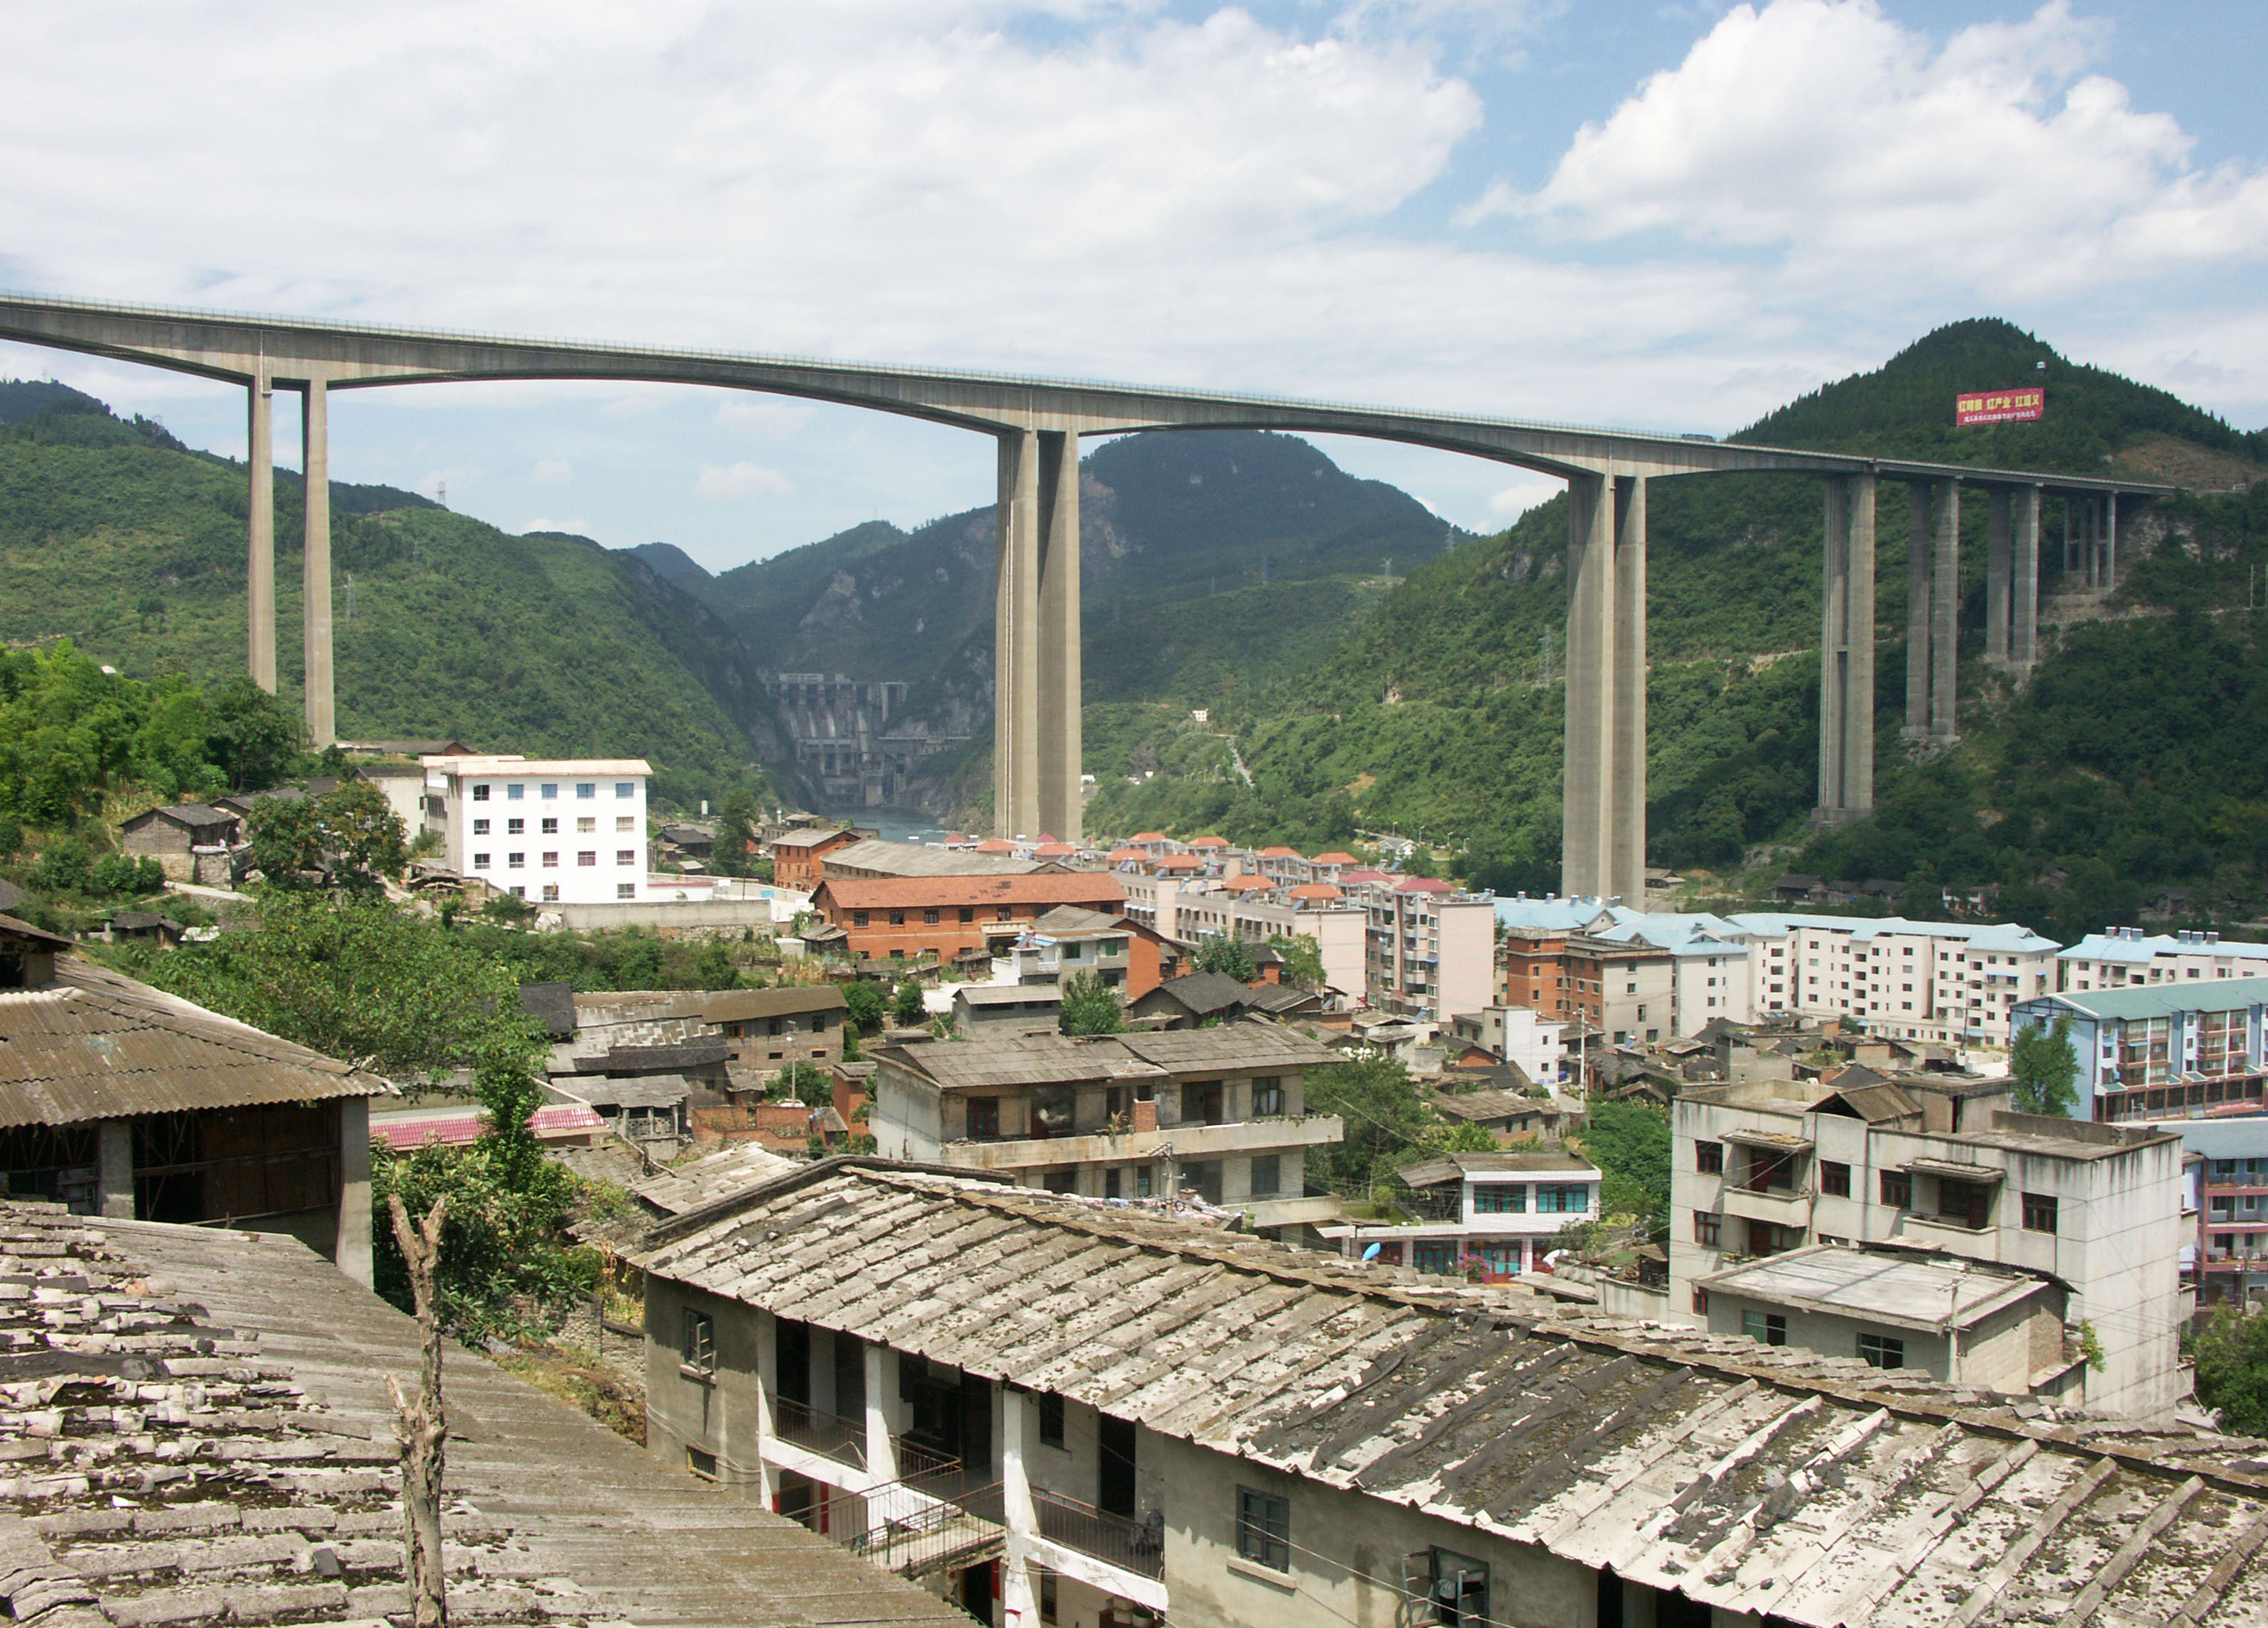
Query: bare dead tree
<point x="422" y="1427"/>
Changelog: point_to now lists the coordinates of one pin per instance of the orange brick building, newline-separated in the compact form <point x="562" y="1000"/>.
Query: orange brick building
<point x="799" y="858"/>
<point x="939" y="916"/>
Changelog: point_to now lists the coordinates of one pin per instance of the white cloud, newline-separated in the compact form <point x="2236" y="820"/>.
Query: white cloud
<point x="1825" y="129"/>
<point x="578" y="527"/>
<point x="551" y="472"/>
<point x="1518" y="498"/>
<point x="730" y="482"/>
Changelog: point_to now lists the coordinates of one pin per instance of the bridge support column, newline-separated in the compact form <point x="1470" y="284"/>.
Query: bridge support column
<point x="1998" y="564"/>
<point x="1016" y="642"/>
<point x="259" y="531"/>
<point x="1603" y="832"/>
<point x="1846" y="656"/>
<point x="1061" y="808"/>
<point x="2024" y="616"/>
<point x="2109" y="540"/>
<point x="1945" y="609"/>
<point x="1918" y="620"/>
<point x="315" y="581"/>
<point x="2091" y="539"/>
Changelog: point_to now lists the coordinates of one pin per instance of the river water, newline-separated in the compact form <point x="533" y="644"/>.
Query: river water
<point x="897" y="825"/>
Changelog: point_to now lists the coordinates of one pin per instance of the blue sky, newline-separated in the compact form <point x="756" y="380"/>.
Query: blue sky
<point x="1670" y="216"/>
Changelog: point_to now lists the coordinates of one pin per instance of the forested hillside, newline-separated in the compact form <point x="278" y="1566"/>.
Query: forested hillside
<point x="116" y="535"/>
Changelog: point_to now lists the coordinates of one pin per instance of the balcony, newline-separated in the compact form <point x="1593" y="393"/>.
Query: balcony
<point x="1782" y="1207"/>
<point x="1130" y="1545"/>
<point x="839" y="1439"/>
<point x="1187" y="1141"/>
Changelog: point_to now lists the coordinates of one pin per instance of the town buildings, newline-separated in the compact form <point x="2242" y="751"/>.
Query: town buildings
<point x="1069" y="940"/>
<point x="1431" y="949"/>
<point x="1768" y="1167"/>
<point x="1217" y="1112"/>
<point x="798" y="856"/>
<point x="2164" y="1050"/>
<point x="189" y="841"/>
<point x="550" y="830"/>
<point x="1953" y="983"/>
<point x="2125" y="956"/>
<point x="1520" y="1036"/>
<point x="720" y="1041"/>
<point x="122" y="1102"/>
<point x="1491" y="1216"/>
<point x="939" y="918"/>
<point x="1133" y="1418"/>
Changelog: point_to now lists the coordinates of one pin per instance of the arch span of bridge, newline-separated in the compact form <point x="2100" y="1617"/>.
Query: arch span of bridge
<point x="1037" y="423"/>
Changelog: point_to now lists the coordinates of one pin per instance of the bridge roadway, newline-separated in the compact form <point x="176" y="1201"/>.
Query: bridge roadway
<point x="1036" y="423"/>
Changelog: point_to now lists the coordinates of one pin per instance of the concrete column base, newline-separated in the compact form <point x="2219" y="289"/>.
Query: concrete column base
<point x="113" y="1169"/>
<point x="259" y="532"/>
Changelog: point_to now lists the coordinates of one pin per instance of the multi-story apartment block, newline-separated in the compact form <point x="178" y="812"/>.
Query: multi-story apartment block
<point x="1710" y="971"/>
<point x="1491" y="1216"/>
<point x="1188" y="908"/>
<point x="1625" y="991"/>
<point x="2228" y="1265"/>
<point x="1771" y="1166"/>
<point x="548" y="831"/>
<point x="1218" y="1112"/>
<point x="2123" y="957"/>
<point x="1053" y="1410"/>
<point x="1520" y="1036"/>
<point x="2162" y="1051"/>
<point x="1952" y="982"/>
<point x="1431" y="949"/>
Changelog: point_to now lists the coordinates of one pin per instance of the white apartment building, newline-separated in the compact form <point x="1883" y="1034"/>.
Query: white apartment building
<point x="1947" y="982"/>
<point x="1520" y="1036"/>
<point x="1432" y="950"/>
<point x="1495" y="1216"/>
<point x="2123" y="957"/>
<point x="1768" y="1167"/>
<point x="548" y="831"/>
<point x="1189" y="910"/>
<point x="1711" y="974"/>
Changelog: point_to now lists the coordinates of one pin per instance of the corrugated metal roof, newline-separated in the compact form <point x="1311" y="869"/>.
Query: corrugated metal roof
<point x="738" y="1006"/>
<point x="1770" y="1480"/>
<point x="98" y="1045"/>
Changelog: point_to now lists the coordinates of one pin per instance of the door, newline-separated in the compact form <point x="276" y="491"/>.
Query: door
<point x="1113" y="1493"/>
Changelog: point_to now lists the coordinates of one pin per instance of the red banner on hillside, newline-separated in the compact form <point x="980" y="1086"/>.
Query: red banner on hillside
<point x="1999" y="407"/>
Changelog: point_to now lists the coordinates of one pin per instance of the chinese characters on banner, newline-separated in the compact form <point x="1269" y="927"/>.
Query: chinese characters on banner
<point x="1999" y="407"/>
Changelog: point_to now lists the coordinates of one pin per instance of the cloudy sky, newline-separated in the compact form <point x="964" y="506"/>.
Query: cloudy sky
<point x="1665" y="215"/>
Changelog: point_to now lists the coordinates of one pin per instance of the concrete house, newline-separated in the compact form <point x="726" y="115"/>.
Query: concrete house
<point x="189" y="841"/>
<point x="1218" y="1112"/>
<point x="1049" y="1407"/>
<point x="119" y="1100"/>
<point x="1772" y="1166"/>
<point x="1496" y="1215"/>
<point x="1007" y="1010"/>
<point x="1193" y="998"/>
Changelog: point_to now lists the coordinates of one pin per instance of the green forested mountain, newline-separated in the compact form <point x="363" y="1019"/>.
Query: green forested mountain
<point x="113" y="534"/>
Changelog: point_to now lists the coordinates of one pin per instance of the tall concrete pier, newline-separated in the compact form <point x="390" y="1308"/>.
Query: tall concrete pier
<point x="1036" y="424"/>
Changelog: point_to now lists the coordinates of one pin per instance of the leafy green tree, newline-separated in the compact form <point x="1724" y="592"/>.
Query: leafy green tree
<point x="254" y="739"/>
<point x="66" y="731"/>
<point x="2231" y="1352"/>
<point x="713" y="966"/>
<point x="2043" y="1069"/>
<point x="803" y="1082"/>
<point x="1420" y="862"/>
<point x="1303" y="959"/>
<point x="65" y="867"/>
<point x="1630" y="1142"/>
<point x="173" y="745"/>
<point x="1227" y="954"/>
<point x="862" y="1004"/>
<point x="1386" y="1122"/>
<point x="354" y="979"/>
<point x="733" y="853"/>
<point x="349" y="840"/>
<point x="508" y="910"/>
<point x="906" y="1005"/>
<point x="117" y="874"/>
<point x="1457" y="1136"/>
<point x="1090" y="1006"/>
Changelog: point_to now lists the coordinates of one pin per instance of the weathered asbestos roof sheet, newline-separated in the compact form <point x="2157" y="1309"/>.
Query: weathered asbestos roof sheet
<point x="790" y="1000"/>
<point x="1452" y="1167"/>
<point x="739" y="1166"/>
<point x="1232" y="1046"/>
<point x="1016" y="995"/>
<point x="1756" y="1478"/>
<point x="1477" y="1105"/>
<point x="914" y="860"/>
<point x="194" y="1428"/>
<point x="97" y="1045"/>
<point x="1033" y="1060"/>
<point x="1202" y="992"/>
<point x="1905" y="1289"/>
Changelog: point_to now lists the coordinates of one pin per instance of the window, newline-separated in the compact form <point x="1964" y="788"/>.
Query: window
<point x="550" y="827"/>
<point x="586" y="789"/>
<point x="1049" y="1604"/>
<point x="1111" y="1183"/>
<point x="1510" y="1198"/>
<point x="1700" y="1302"/>
<point x="515" y="862"/>
<point x="515" y="827"/>
<point x="1563" y="1200"/>
<point x="515" y="793"/>
<point x="1202" y="1103"/>
<point x="550" y="790"/>
<point x="698" y="1349"/>
<point x="551" y="893"/>
<point x="929" y="918"/>
<point x="858" y="918"/>
<point x="1267" y="1176"/>
<point x="624" y="822"/>
<point x="1499" y="1260"/>
<point x="480" y="793"/>
<point x="1766" y="1328"/>
<point x="586" y="856"/>
<point x="1264" y="1528"/>
<point x="1881" y="1351"/>
<point x="897" y="918"/>
<point x="1063" y="1181"/>
<point x="969" y="912"/>
<point x="984" y="1119"/>
<point x="702" y="1464"/>
<point x="1834" y="1179"/>
<point x="1709" y="1158"/>
<point x="625" y="788"/>
<point x="587" y="822"/>
<point x="1460" y="1591"/>
<point x="551" y="860"/>
<point x="625" y="855"/>
<point x="480" y="827"/>
<point x="626" y="890"/>
<point x="1897" y="1189"/>
<point x="1267" y="1097"/>
<point x="479" y="862"/>
<point x="1708" y="1229"/>
<point x="2039" y="1212"/>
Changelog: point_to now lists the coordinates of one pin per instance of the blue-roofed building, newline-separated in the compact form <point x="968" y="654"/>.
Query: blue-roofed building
<point x="1953" y="983"/>
<point x="2228" y="1190"/>
<point x="2163" y="1051"/>
<point x="1711" y="974"/>
<point x="2122" y="958"/>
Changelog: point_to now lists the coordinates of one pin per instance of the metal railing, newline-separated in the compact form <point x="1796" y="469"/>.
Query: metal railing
<point x="938" y="1537"/>
<point x="1130" y="1545"/>
<point x="829" y="1435"/>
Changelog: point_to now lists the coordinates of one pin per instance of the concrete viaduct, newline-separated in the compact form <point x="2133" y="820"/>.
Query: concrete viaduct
<point x="1037" y="423"/>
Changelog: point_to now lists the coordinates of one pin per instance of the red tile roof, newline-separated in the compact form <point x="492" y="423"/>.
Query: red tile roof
<point x="1208" y="841"/>
<point x="1315" y="890"/>
<point x="996" y="845"/>
<point x="1098" y="889"/>
<point x="1422" y="884"/>
<point x="1279" y="851"/>
<point x="1335" y="858"/>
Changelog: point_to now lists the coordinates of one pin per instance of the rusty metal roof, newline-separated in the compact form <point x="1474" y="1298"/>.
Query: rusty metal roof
<point x="95" y="1044"/>
<point x="197" y="1430"/>
<point x="1770" y="1480"/>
